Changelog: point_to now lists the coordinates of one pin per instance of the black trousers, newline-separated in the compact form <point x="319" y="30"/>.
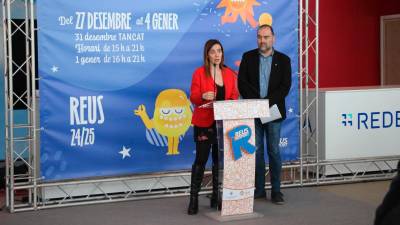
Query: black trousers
<point x="206" y="139"/>
<point x="203" y="151"/>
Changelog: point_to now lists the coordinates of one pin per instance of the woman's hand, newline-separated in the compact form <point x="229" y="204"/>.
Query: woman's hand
<point x="208" y="96"/>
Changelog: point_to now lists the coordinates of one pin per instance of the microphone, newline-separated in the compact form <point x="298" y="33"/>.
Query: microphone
<point x="256" y="92"/>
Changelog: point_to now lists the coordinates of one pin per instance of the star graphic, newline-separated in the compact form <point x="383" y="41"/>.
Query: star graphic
<point x="125" y="152"/>
<point x="290" y="110"/>
<point x="54" y="69"/>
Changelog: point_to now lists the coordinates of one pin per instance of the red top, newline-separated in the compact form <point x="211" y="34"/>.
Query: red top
<point x="201" y="83"/>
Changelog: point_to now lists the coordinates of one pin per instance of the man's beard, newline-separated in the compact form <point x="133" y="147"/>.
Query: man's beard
<point x="265" y="48"/>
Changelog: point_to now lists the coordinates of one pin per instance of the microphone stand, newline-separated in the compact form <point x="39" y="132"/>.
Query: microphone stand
<point x="215" y="83"/>
<point x="220" y="151"/>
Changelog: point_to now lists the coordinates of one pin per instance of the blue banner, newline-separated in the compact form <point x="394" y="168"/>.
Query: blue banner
<point x="115" y="79"/>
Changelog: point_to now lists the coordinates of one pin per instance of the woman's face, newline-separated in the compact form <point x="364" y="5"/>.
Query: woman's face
<point x="215" y="54"/>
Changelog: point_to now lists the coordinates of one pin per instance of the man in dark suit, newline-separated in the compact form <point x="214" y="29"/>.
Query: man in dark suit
<point x="388" y="213"/>
<point x="265" y="73"/>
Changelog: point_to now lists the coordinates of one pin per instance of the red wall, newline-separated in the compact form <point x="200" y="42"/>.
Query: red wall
<point x="349" y="41"/>
<point x="389" y="7"/>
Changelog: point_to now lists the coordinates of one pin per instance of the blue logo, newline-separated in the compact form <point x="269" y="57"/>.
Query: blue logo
<point x="347" y="119"/>
<point x="240" y="137"/>
<point x="371" y="120"/>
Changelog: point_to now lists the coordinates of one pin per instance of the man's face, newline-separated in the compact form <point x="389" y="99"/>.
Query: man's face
<point x="265" y="40"/>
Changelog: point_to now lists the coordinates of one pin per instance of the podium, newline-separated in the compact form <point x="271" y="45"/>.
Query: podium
<point x="238" y="135"/>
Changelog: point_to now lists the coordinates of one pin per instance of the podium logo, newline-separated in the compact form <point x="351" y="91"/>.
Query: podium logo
<point x="240" y="137"/>
<point x="371" y="120"/>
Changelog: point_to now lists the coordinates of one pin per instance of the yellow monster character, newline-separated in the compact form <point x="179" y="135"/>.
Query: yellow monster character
<point x="172" y="117"/>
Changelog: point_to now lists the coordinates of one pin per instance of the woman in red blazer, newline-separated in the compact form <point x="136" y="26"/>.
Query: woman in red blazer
<point x="211" y="82"/>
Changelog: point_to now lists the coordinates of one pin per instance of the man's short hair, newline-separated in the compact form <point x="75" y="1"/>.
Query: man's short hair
<point x="266" y="26"/>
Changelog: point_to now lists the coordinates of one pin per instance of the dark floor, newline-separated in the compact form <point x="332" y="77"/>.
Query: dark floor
<point x="352" y="204"/>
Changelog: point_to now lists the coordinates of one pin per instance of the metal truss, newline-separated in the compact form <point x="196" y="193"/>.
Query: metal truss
<point x="25" y="191"/>
<point x="20" y="136"/>
<point x="308" y="80"/>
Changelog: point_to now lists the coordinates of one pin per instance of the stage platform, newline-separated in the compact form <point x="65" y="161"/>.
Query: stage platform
<point x="352" y="204"/>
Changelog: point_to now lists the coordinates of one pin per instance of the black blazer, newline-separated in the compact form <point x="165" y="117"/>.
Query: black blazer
<point x="388" y="213"/>
<point x="280" y="79"/>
